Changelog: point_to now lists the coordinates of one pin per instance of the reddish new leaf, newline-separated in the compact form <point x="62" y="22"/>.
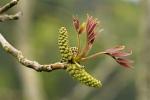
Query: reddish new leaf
<point x="115" y="49"/>
<point x="76" y="23"/>
<point x="117" y="54"/>
<point x="121" y="54"/>
<point x="124" y="62"/>
<point x="90" y="29"/>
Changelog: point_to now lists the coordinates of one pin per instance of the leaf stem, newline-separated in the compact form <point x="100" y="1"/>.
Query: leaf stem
<point x="78" y="43"/>
<point x="93" y="56"/>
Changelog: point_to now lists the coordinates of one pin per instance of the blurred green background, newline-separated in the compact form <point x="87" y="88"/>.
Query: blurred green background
<point x="35" y="34"/>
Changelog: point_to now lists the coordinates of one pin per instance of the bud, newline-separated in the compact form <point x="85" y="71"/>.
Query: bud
<point x="82" y="28"/>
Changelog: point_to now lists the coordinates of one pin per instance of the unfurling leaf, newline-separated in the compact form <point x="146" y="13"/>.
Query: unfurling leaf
<point x="90" y="29"/>
<point x="115" y="49"/>
<point x="119" y="55"/>
<point x="80" y="28"/>
<point x="76" y="23"/>
<point x="124" y="62"/>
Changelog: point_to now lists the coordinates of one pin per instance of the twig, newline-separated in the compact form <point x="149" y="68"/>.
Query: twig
<point x="10" y="17"/>
<point x="5" y="17"/>
<point x="8" y="6"/>
<point x="28" y="63"/>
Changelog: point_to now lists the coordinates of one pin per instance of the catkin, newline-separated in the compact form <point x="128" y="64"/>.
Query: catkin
<point x="81" y="75"/>
<point x="63" y="44"/>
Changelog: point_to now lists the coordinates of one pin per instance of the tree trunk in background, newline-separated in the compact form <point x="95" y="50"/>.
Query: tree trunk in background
<point x="142" y="68"/>
<point x="31" y="84"/>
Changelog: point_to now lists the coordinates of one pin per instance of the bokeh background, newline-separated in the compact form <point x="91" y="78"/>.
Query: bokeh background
<point x="35" y="34"/>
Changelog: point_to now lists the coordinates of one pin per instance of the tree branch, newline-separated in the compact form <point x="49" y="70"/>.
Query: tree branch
<point x="26" y="62"/>
<point x="8" y="6"/>
<point x="5" y="17"/>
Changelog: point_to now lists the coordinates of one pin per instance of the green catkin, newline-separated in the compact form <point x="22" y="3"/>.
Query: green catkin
<point x="81" y="75"/>
<point x="64" y="45"/>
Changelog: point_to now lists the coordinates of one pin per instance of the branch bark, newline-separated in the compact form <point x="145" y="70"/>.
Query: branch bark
<point x="8" y="6"/>
<point x="3" y="9"/>
<point x="6" y="17"/>
<point x="26" y="62"/>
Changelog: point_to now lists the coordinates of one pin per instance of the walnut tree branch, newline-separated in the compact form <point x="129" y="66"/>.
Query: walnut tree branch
<point x="26" y="62"/>
<point x="8" y="6"/>
<point x="5" y="17"/>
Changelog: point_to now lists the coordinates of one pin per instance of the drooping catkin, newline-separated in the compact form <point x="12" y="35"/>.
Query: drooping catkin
<point x="63" y="44"/>
<point x="81" y="75"/>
